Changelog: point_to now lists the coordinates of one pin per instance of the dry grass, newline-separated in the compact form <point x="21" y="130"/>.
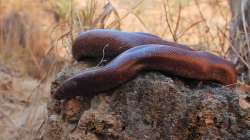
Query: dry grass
<point x="36" y="37"/>
<point x="23" y="41"/>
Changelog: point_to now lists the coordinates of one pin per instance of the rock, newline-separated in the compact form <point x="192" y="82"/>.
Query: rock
<point x="153" y="106"/>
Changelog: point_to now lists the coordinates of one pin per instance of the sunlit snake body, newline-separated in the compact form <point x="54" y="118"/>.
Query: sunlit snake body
<point x="98" y="42"/>
<point x="177" y="59"/>
<point x="173" y="60"/>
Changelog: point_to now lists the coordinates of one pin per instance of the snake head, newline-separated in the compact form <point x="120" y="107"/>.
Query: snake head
<point x="65" y="90"/>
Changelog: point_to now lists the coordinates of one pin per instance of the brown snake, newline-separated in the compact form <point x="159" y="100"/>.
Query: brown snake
<point x="91" y="44"/>
<point x="179" y="61"/>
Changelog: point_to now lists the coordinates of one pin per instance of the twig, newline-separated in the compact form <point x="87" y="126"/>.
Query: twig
<point x="243" y="3"/>
<point x="117" y="16"/>
<point x="167" y="20"/>
<point x="189" y="27"/>
<point x="103" y="55"/>
<point x="124" y="16"/>
<point x="229" y="85"/>
<point x="107" y="10"/>
<point x="203" y="18"/>
<point x="177" y="22"/>
<point x="141" y="21"/>
<point x="236" y="52"/>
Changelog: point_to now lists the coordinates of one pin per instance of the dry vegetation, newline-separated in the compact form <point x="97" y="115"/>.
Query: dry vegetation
<point x="35" y="40"/>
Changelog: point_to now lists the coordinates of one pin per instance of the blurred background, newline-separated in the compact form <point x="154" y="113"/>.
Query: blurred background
<point x="36" y="38"/>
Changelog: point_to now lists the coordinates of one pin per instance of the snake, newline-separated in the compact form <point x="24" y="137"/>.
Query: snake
<point x="129" y="61"/>
<point x="98" y="42"/>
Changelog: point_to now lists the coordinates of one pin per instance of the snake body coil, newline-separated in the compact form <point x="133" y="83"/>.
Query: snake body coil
<point x="95" y="43"/>
<point x="178" y="61"/>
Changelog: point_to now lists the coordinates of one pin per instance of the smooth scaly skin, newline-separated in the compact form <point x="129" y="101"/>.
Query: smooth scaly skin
<point x="98" y="42"/>
<point x="181" y="62"/>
